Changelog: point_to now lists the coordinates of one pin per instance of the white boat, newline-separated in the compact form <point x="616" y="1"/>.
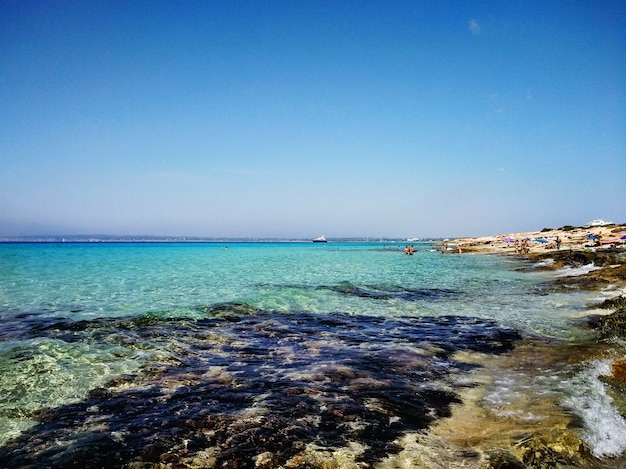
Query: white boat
<point x="319" y="239"/>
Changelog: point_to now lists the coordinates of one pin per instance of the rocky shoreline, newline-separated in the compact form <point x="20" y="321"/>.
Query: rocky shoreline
<point x="609" y="276"/>
<point x="594" y="267"/>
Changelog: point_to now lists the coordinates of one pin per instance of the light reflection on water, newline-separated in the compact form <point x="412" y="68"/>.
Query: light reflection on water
<point x="75" y="317"/>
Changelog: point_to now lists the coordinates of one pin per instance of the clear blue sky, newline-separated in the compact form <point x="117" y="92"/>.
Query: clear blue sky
<point x="297" y="118"/>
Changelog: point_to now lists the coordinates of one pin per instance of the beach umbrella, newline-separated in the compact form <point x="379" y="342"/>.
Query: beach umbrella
<point x="540" y="240"/>
<point x="594" y="237"/>
<point x="509" y="240"/>
<point x="623" y="237"/>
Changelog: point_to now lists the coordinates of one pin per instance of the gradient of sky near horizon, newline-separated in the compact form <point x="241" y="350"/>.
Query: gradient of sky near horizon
<point x="297" y="118"/>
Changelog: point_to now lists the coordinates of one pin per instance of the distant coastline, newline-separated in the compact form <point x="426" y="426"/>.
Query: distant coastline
<point x="178" y="239"/>
<point x="572" y="238"/>
<point x="137" y="239"/>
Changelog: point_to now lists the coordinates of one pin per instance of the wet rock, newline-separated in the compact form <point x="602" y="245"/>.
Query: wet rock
<point x="578" y="258"/>
<point x="618" y="303"/>
<point x="612" y="268"/>
<point x="554" y="449"/>
<point x="612" y="325"/>
<point x="501" y="459"/>
<point x="618" y="370"/>
<point x="612" y="274"/>
<point x="265" y="460"/>
<point x="99" y="393"/>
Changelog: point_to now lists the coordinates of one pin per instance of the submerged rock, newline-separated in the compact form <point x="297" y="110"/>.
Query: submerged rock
<point x="247" y="389"/>
<point x="500" y="458"/>
<point x="554" y="449"/>
<point x="228" y="310"/>
<point x="386" y="292"/>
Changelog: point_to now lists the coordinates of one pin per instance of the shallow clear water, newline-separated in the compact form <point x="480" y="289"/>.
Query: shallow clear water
<point x="258" y="323"/>
<point x="81" y="281"/>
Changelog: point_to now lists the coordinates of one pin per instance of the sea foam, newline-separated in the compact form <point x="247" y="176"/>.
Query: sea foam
<point x="576" y="271"/>
<point x="605" y="427"/>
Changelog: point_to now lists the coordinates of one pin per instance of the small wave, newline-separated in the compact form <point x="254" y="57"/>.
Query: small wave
<point x="605" y="427"/>
<point x="576" y="271"/>
<point x="544" y="263"/>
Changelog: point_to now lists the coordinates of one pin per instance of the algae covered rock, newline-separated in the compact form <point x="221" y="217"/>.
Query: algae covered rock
<point x="555" y="449"/>
<point x="500" y="458"/>
<point x="618" y="303"/>
<point x="579" y="258"/>
<point x="614" y="324"/>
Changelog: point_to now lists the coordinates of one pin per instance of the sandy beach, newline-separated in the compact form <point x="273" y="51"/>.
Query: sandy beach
<point x="572" y="238"/>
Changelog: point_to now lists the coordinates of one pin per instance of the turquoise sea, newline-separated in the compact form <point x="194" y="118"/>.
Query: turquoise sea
<point x="289" y="355"/>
